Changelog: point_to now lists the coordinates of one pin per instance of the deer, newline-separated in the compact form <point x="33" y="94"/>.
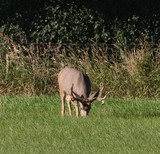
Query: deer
<point x="75" y="87"/>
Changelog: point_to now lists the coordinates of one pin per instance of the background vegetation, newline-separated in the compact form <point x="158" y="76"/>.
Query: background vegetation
<point x="115" y="42"/>
<point x="75" y="21"/>
<point x="136" y="75"/>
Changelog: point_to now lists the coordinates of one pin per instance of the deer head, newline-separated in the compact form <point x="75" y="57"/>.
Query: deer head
<point x="86" y="102"/>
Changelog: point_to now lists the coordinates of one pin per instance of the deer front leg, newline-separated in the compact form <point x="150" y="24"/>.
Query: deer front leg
<point x="75" y="103"/>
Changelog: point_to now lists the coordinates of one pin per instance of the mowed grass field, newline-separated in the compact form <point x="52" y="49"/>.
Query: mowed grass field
<point x="34" y="125"/>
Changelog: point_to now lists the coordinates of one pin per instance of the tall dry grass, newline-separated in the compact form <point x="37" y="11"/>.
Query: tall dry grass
<point x="32" y="69"/>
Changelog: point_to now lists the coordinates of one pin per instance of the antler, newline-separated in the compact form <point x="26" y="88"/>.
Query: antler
<point x="93" y="96"/>
<point x="100" y="98"/>
<point x="97" y="95"/>
<point x="75" y="96"/>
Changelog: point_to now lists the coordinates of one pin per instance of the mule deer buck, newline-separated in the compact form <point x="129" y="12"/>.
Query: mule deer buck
<point x="75" y="86"/>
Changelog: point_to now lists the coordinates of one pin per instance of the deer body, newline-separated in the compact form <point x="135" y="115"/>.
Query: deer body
<point x="75" y="86"/>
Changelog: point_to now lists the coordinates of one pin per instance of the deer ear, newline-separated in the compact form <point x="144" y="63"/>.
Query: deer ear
<point x="78" y="97"/>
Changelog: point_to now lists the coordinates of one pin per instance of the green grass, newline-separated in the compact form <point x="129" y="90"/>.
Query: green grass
<point x="34" y="125"/>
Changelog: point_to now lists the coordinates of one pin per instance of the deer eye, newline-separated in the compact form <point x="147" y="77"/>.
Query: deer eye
<point x="88" y="107"/>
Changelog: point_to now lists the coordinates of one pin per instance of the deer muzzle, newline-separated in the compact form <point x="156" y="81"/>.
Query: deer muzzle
<point x="83" y="113"/>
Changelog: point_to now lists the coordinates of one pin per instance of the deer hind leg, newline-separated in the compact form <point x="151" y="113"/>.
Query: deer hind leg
<point x="68" y="98"/>
<point x="63" y="95"/>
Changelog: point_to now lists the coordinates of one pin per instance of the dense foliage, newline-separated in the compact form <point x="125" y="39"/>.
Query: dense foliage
<point x="75" y="21"/>
<point x="115" y="42"/>
<point x="52" y="21"/>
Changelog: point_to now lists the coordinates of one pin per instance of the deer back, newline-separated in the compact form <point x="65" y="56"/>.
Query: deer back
<point x="69" y="78"/>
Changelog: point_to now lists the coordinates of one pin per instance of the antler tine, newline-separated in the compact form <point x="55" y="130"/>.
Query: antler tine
<point x="100" y="98"/>
<point x="101" y="90"/>
<point x="101" y="84"/>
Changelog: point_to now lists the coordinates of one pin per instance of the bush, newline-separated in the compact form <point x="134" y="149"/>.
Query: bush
<point x="54" y="21"/>
<point x="33" y="70"/>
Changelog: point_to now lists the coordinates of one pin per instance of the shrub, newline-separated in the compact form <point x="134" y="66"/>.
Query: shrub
<point x="33" y="70"/>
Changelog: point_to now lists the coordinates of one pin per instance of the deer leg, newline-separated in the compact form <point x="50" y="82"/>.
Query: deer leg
<point x="68" y="98"/>
<point x="63" y="103"/>
<point x="76" y="107"/>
